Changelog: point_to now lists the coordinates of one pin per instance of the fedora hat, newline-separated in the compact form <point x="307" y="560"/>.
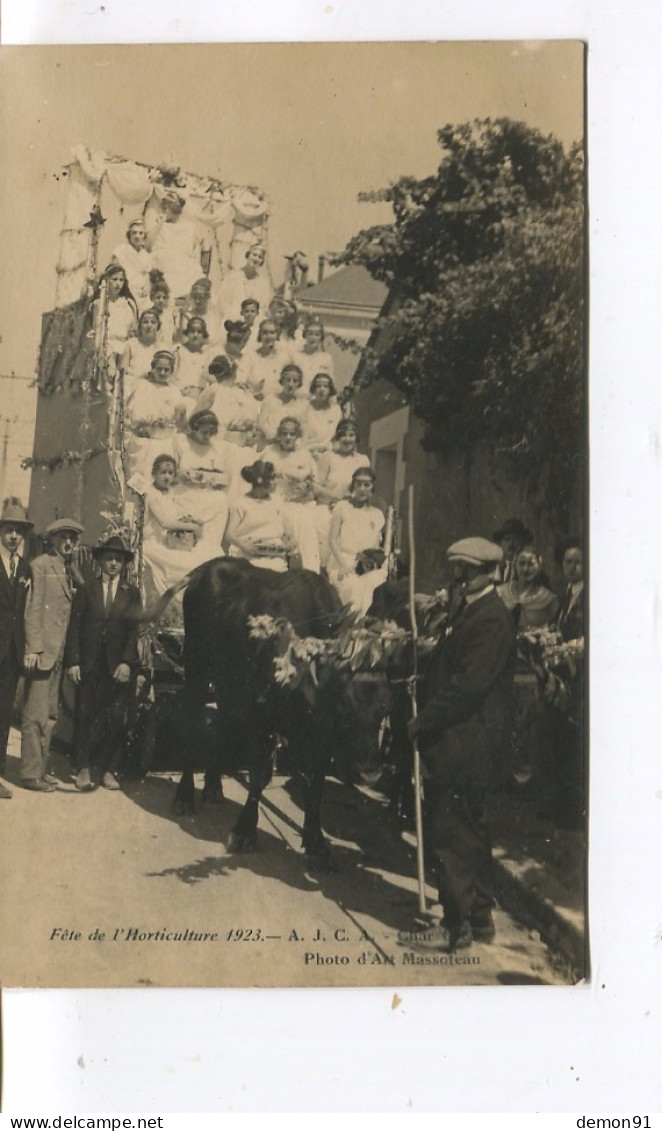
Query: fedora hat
<point x="15" y="514"/>
<point x="516" y="528"/>
<point x="114" y="542"/>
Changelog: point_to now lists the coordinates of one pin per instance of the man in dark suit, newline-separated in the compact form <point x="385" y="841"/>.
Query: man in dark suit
<point x="54" y="580"/>
<point x="100" y="651"/>
<point x="464" y="703"/>
<point x="14" y="586"/>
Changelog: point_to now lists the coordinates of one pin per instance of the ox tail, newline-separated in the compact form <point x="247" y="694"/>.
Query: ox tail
<point x="155" y="611"/>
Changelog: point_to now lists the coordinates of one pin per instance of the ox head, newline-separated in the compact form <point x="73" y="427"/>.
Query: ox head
<point x="362" y="703"/>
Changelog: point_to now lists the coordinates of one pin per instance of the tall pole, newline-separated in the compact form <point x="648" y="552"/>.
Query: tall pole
<point x="418" y="808"/>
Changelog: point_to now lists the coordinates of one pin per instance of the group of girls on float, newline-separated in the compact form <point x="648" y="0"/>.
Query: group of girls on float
<point x="234" y="428"/>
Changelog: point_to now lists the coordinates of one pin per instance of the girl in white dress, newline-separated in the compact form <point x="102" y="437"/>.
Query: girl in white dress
<point x="192" y="360"/>
<point x="199" y="305"/>
<point x="136" y="260"/>
<point x="208" y="468"/>
<point x="236" y="409"/>
<point x="322" y="417"/>
<point x="156" y="410"/>
<point x="138" y="352"/>
<point x="177" y="248"/>
<point x="236" y="339"/>
<point x="334" y="478"/>
<point x="284" y="403"/>
<point x="159" y="296"/>
<point x="356" y="564"/>
<point x="250" y="281"/>
<point x="121" y="315"/>
<point x="171" y="540"/>
<point x="259" y="528"/>
<point x="313" y="358"/>
<point x="296" y="472"/>
<point x="268" y="360"/>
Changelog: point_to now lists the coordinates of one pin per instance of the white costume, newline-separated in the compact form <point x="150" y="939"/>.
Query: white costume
<point x="334" y="472"/>
<point x="137" y="266"/>
<point x="191" y="370"/>
<point x="274" y="409"/>
<point x="312" y="364"/>
<point x="266" y="370"/>
<point x="354" y="529"/>
<point x="136" y="361"/>
<point x="236" y="410"/>
<point x="176" y="252"/>
<point x="206" y="474"/>
<point x="236" y="287"/>
<point x="294" y="483"/>
<point x="163" y="511"/>
<point x="262" y="523"/>
<point x="156" y="411"/>
<point x="319" y="427"/>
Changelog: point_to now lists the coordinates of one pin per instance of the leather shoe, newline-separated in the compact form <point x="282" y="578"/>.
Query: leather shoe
<point x="5" y="793"/>
<point x="37" y="785"/>
<point x="83" y="781"/>
<point x="109" y="781"/>
<point x="51" y="779"/>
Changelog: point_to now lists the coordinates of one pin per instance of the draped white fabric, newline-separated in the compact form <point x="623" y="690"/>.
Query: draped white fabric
<point x="227" y="218"/>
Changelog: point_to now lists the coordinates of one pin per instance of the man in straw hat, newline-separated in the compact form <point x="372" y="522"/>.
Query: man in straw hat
<point x="14" y="586"/>
<point x="464" y="702"/>
<point x="99" y="653"/>
<point x="48" y="609"/>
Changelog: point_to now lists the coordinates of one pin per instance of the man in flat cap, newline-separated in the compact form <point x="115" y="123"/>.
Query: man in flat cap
<point x="464" y="703"/>
<point x="14" y="587"/>
<point x="54" y="580"/>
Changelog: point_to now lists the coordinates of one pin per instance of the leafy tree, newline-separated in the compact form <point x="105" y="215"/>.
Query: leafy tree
<point x="485" y="331"/>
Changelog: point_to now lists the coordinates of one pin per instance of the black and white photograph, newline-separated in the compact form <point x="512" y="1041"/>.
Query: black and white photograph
<point x="294" y="539"/>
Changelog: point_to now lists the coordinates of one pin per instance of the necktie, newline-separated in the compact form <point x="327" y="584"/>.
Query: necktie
<point x="109" y="597"/>
<point x="12" y="568"/>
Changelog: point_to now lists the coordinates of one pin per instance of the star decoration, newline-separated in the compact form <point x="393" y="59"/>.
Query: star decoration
<point x="96" y="220"/>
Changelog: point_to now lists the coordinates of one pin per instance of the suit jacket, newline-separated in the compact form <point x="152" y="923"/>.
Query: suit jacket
<point x="466" y="691"/>
<point x="90" y="631"/>
<point x="12" y="609"/>
<point x="48" y="610"/>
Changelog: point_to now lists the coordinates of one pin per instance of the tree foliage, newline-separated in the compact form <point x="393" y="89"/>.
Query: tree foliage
<point x="485" y="264"/>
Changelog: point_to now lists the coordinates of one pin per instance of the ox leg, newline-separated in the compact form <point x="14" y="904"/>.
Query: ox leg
<point x="316" y="849"/>
<point x="184" y="802"/>
<point x="243" y="837"/>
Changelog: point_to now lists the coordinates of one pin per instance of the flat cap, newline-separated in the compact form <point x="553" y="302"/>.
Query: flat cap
<point x="64" y="524"/>
<point x="476" y="551"/>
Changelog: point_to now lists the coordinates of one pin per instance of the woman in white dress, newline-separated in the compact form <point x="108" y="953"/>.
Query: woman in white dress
<point x="171" y="540"/>
<point x="356" y="562"/>
<point x="259" y="529"/>
<point x="156" y="410"/>
<point x="138" y="352"/>
<point x="334" y="478"/>
<point x="322" y="417"/>
<point x="177" y="247"/>
<point x="287" y="402"/>
<point x="236" y="409"/>
<point x="136" y="260"/>
<point x="268" y="360"/>
<point x="192" y="360"/>
<point x="313" y="358"/>
<point x="250" y="281"/>
<point x="208" y="468"/>
<point x="199" y="305"/>
<point x="296" y="473"/>
<point x="236" y="339"/>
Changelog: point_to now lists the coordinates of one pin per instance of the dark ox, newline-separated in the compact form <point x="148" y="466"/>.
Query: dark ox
<point x="344" y="719"/>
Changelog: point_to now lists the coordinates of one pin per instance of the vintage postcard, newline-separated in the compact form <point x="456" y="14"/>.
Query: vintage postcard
<point x="292" y="540"/>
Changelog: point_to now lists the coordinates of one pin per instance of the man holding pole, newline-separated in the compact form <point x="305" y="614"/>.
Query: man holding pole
<point x="464" y="703"/>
